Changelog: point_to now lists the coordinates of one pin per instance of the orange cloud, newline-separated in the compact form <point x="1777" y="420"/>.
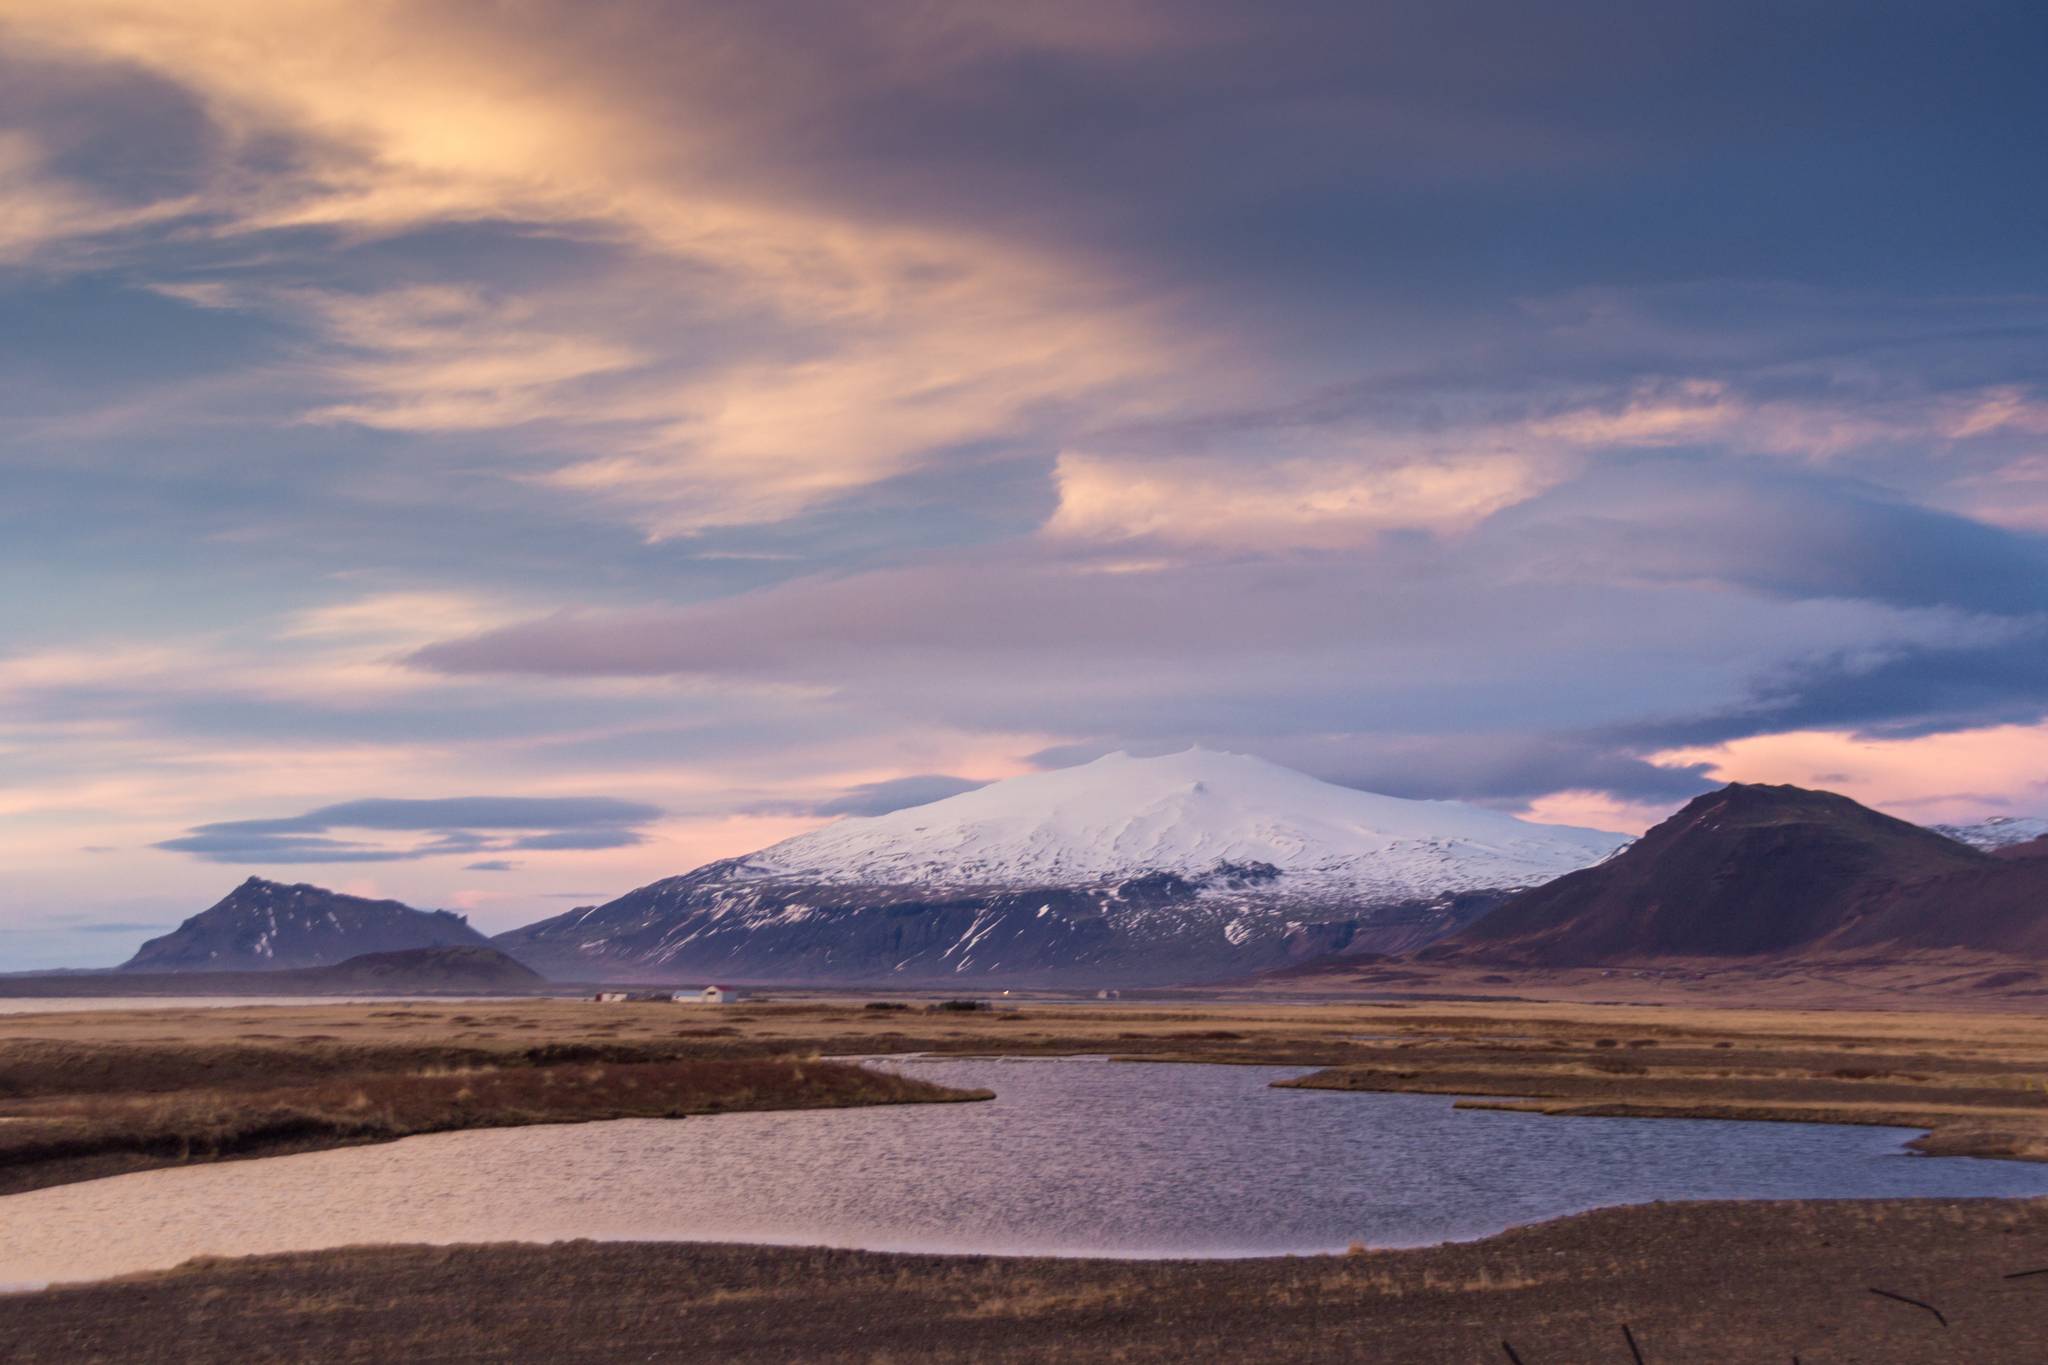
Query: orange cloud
<point x="1962" y="775"/>
<point x="1300" y="502"/>
<point x="1595" y="810"/>
<point x="909" y="337"/>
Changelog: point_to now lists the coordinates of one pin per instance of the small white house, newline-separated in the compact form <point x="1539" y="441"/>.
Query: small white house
<point x="610" y="997"/>
<point x="1109" y="994"/>
<point x="714" y="995"/>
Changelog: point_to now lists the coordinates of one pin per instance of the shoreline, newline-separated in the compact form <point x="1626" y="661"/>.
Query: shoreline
<point x="73" y="1139"/>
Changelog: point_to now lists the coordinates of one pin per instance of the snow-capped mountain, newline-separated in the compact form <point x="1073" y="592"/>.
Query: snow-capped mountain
<point x="1197" y="865"/>
<point x="2000" y="831"/>
<point x="1186" y="813"/>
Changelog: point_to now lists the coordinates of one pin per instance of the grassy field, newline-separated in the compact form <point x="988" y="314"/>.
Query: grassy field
<point x="102" y="1093"/>
<point x="95" y="1092"/>
<point x="1693" y="1284"/>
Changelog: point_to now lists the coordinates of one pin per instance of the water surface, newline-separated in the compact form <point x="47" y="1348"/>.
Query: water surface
<point x="1072" y="1158"/>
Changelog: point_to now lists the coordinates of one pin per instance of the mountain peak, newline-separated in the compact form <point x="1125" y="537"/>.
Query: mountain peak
<point x="1748" y="870"/>
<point x="1184" y="813"/>
<point x="1182" y="867"/>
<point x="264" y="925"/>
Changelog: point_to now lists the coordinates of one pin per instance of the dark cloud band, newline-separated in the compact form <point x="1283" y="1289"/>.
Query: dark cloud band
<point x="460" y="825"/>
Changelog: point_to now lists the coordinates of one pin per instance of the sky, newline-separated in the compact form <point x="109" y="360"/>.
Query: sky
<point x="496" y="455"/>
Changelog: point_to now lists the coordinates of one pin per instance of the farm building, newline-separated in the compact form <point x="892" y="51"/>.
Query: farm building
<point x="714" y="995"/>
<point x="609" y="997"/>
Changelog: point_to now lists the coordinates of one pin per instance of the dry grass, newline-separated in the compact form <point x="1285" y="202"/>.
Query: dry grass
<point x="1696" y="1283"/>
<point x="82" y="1136"/>
<point x="262" y="1078"/>
<point x="1976" y="1092"/>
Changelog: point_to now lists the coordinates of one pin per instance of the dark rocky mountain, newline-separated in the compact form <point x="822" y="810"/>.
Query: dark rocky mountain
<point x="2023" y="852"/>
<point x="461" y="970"/>
<point x="269" y="926"/>
<point x="1762" y="871"/>
<point x="1151" y="930"/>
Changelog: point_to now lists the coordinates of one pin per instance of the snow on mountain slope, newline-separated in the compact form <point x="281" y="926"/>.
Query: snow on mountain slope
<point x="2000" y="831"/>
<point x="1197" y="866"/>
<point x="1185" y="813"/>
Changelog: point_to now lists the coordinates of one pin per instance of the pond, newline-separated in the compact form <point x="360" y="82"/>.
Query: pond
<point x="1074" y="1157"/>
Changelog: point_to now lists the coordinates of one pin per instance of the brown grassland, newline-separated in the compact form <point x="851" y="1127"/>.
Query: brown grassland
<point x="92" y="1092"/>
<point x="1694" y="1284"/>
<point x="95" y="1092"/>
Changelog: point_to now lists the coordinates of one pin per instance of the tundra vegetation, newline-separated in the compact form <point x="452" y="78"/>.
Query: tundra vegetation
<point x="95" y="1092"/>
<point x="1693" y="1284"/>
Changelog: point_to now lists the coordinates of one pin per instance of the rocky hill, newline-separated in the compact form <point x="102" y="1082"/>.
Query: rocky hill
<point x="1763" y="871"/>
<point x="269" y="926"/>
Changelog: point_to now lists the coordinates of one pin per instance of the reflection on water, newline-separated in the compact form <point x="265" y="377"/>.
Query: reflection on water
<point x="1073" y="1157"/>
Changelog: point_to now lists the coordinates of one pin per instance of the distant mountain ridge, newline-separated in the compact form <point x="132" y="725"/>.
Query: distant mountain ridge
<point x="1204" y="867"/>
<point x="1772" y="871"/>
<point x="1999" y="831"/>
<point x="269" y="926"/>
<point x="464" y="967"/>
<point x="1187" y="867"/>
<point x="460" y="970"/>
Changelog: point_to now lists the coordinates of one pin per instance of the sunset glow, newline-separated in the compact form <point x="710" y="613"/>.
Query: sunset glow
<point x="710" y="421"/>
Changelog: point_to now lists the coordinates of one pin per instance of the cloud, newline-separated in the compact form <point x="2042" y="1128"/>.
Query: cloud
<point x="457" y="823"/>
<point x="1500" y="767"/>
<point x="581" y="839"/>
<point x="1554" y="645"/>
<point x="733" y="407"/>
<point x="43" y="211"/>
<point x="441" y="358"/>
<point x="1961" y="774"/>
<point x="1786" y="532"/>
<point x="856" y="344"/>
<point x="877" y="798"/>
<point x="1329" y="501"/>
<point x="471" y="812"/>
<point x="491" y="865"/>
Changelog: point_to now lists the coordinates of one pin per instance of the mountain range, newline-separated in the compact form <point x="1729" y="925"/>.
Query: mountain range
<point x="1201" y="867"/>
